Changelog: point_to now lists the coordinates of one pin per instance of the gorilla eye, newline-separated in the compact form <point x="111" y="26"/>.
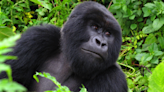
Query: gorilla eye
<point x="107" y="33"/>
<point x="95" y="27"/>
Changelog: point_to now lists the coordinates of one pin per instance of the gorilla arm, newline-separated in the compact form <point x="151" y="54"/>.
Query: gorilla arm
<point x="112" y="79"/>
<point x="36" y="45"/>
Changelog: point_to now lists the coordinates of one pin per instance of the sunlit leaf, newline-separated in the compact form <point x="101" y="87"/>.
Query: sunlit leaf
<point x="157" y="24"/>
<point x="146" y="11"/>
<point x="149" y="5"/>
<point x="5" y="32"/>
<point x="156" y="80"/>
<point x="148" y="29"/>
<point x="8" y="86"/>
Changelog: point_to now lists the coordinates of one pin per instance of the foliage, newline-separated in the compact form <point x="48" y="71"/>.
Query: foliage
<point x="142" y="23"/>
<point x="7" y="84"/>
<point x="5" y="32"/>
<point x="59" y="88"/>
<point x="24" y="13"/>
<point x="156" y="80"/>
<point x="143" y="36"/>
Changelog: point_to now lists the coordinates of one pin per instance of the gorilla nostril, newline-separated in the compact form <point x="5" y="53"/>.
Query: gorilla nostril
<point x="103" y="44"/>
<point x="98" y="42"/>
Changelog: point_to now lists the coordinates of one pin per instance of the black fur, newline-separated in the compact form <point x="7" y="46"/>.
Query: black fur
<point x="33" y="49"/>
<point x="41" y="43"/>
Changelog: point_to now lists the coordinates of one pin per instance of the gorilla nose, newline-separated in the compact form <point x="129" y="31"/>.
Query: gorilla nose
<point x="97" y="46"/>
<point x="100" y="43"/>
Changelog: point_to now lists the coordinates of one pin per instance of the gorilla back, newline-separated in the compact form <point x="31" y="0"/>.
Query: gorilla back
<point x="84" y="52"/>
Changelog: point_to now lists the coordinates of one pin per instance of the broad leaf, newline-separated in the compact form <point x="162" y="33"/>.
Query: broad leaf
<point x="124" y="8"/>
<point x="132" y="17"/>
<point x="148" y="29"/>
<point x="161" y="42"/>
<point x="156" y="80"/>
<point x="146" y="11"/>
<point x="146" y="57"/>
<point x="149" y="5"/>
<point x="116" y="6"/>
<point x="8" y="86"/>
<point x="133" y="26"/>
<point x="42" y="3"/>
<point x="139" y="12"/>
<point x="5" y="32"/>
<point x="158" y="53"/>
<point x="139" y="56"/>
<point x="157" y="24"/>
<point x="150" y="39"/>
<point x="155" y="60"/>
<point x="153" y="47"/>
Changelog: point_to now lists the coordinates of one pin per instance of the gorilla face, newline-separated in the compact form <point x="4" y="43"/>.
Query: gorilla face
<point x="91" y="39"/>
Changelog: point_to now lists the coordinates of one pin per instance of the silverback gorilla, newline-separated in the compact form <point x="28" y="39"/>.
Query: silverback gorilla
<point x="84" y="52"/>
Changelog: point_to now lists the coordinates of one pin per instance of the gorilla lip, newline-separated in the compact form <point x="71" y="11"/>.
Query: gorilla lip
<point x="92" y="52"/>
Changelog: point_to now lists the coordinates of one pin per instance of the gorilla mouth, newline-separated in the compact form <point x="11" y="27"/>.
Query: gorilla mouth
<point x="93" y="53"/>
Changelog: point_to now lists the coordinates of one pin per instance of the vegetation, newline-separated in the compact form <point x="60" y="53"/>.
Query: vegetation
<point x="8" y="84"/>
<point x="142" y="23"/>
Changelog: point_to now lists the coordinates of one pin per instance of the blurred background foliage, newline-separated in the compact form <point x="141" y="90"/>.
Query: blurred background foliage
<point x="142" y="23"/>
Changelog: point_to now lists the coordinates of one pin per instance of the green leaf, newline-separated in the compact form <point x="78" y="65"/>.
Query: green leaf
<point x="116" y="6"/>
<point x="139" y="56"/>
<point x="139" y="12"/>
<point x="42" y="3"/>
<point x="117" y="1"/>
<point x="153" y="17"/>
<point x="129" y="12"/>
<point x="158" y="53"/>
<point x="133" y="26"/>
<point x="140" y="19"/>
<point x="157" y="24"/>
<point x="153" y="47"/>
<point x="130" y="83"/>
<point x="53" y="79"/>
<point x="155" y="60"/>
<point x="143" y="80"/>
<point x="150" y="39"/>
<point x="5" y="32"/>
<point x="150" y="5"/>
<point x="36" y="78"/>
<point x="146" y="57"/>
<point x="132" y="17"/>
<point x="161" y="42"/>
<point x="124" y="8"/>
<point x="159" y="7"/>
<point x="162" y="19"/>
<point x="9" y="86"/>
<point x="4" y="67"/>
<point x="83" y="89"/>
<point x="4" y="58"/>
<point x="8" y="42"/>
<point x="156" y="80"/>
<point x="3" y="51"/>
<point x="3" y="18"/>
<point x="146" y="11"/>
<point x="148" y="29"/>
<point x="145" y="47"/>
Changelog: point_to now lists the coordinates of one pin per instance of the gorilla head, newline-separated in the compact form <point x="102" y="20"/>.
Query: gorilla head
<point x="91" y="39"/>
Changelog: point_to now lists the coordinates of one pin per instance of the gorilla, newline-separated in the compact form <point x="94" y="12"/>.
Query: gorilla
<point x="84" y="51"/>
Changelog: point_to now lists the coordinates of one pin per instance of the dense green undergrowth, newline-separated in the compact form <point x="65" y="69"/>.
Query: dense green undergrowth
<point x="142" y="23"/>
